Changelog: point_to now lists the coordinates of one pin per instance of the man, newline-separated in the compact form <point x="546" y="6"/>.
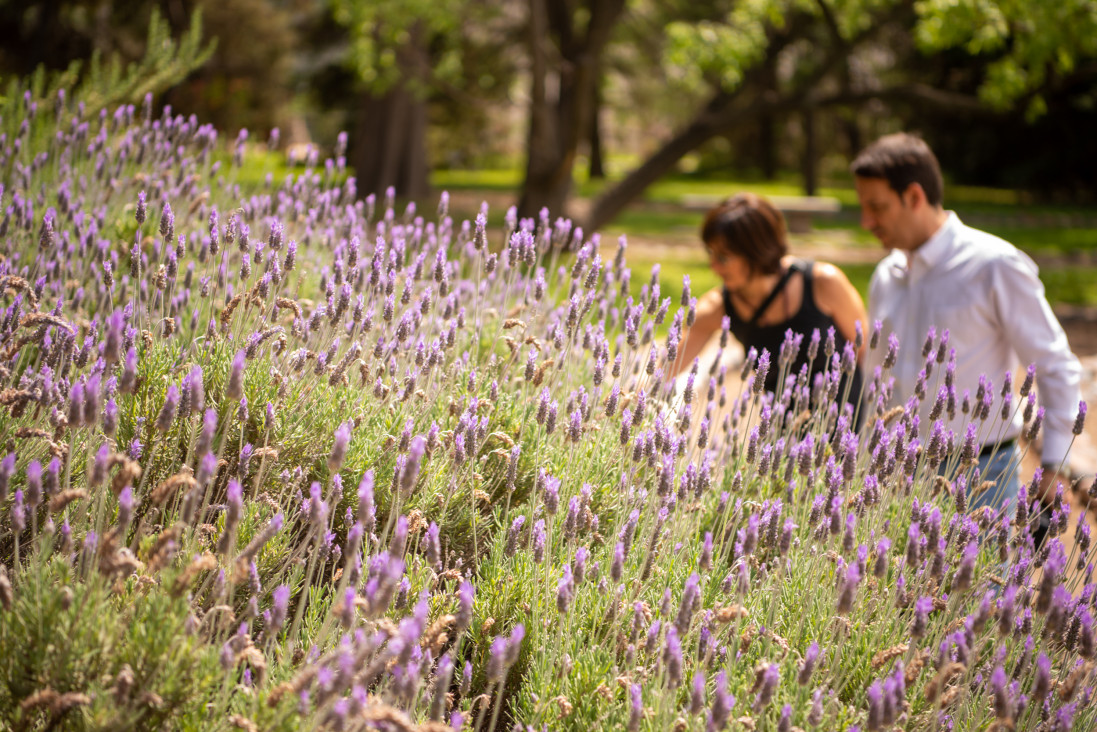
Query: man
<point x="984" y="292"/>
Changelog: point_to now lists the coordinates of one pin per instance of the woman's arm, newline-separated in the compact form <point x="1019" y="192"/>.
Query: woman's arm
<point x="836" y="297"/>
<point x="710" y="314"/>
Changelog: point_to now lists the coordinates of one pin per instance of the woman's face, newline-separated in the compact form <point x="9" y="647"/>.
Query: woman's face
<point x="730" y="267"/>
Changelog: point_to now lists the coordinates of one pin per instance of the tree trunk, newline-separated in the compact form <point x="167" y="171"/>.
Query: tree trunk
<point x="767" y="132"/>
<point x="389" y="144"/>
<point x="852" y="133"/>
<point x="811" y="173"/>
<point x="597" y="169"/>
<point x="389" y="147"/>
<point x="541" y="187"/>
<point x="767" y="141"/>
<point x="557" y="127"/>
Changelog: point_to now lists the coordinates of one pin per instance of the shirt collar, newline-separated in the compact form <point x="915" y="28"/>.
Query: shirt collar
<point x="937" y="247"/>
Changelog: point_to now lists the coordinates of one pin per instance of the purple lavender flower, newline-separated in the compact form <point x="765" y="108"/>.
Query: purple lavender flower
<point x="962" y="579"/>
<point x="76" y="405"/>
<point x="279" y="609"/>
<point x="410" y="474"/>
<point x="875" y="698"/>
<point x="466" y="594"/>
<point x="209" y="430"/>
<point x="848" y="590"/>
<point x="513" y="534"/>
<point x="705" y="562"/>
<point x="317" y="507"/>
<point x="672" y="658"/>
<point x="770" y="676"/>
<point x="196" y="396"/>
<point x="496" y="666"/>
<point x="7" y="470"/>
<point x="1034" y="427"/>
<point x="636" y="708"/>
<point x="399" y="540"/>
<point x="922" y="608"/>
<point x="880" y="567"/>
<point x="761" y="372"/>
<point x="691" y="596"/>
<point x="366" y="509"/>
<point x="807" y="667"/>
<point x="339" y="447"/>
<point x="235" y="388"/>
<point x="1042" y="685"/>
<point x="697" y="695"/>
<point x="207" y="468"/>
<point x="539" y="541"/>
<point x="514" y="644"/>
<point x="565" y="591"/>
<point x="722" y="704"/>
<point x="18" y="513"/>
<point x="579" y="564"/>
<point x="433" y="546"/>
<point x="33" y="494"/>
<point x="125" y="509"/>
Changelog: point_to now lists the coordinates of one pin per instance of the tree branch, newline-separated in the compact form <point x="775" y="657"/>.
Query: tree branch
<point x="914" y="93"/>
<point x="831" y="23"/>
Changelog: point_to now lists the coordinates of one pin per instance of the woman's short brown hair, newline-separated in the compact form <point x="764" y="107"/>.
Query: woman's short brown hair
<point x="750" y="226"/>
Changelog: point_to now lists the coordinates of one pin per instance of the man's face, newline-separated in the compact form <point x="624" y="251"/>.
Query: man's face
<point x="889" y="216"/>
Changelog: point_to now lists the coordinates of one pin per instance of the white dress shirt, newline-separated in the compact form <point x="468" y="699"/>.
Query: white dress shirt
<point x="988" y="296"/>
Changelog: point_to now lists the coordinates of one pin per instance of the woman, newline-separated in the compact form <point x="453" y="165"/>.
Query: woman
<point x="766" y="292"/>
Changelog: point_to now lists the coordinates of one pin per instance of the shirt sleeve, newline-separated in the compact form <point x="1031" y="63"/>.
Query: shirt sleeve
<point x="1036" y="336"/>
<point x="874" y="357"/>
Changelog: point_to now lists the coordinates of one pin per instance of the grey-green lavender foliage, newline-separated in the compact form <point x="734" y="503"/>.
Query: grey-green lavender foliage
<point x="285" y="458"/>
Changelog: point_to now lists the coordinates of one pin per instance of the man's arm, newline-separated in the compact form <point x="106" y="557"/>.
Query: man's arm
<point x="1037" y="338"/>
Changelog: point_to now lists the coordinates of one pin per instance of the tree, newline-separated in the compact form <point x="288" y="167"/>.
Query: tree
<point x="107" y="77"/>
<point x="816" y="40"/>
<point x="566" y="43"/>
<point x="407" y="53"/>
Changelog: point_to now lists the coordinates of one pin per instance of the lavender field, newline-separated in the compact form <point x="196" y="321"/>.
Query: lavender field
<point x="277" y="457"/>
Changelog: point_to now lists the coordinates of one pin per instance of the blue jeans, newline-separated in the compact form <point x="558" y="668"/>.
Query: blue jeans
<point x="1003" y="469"/>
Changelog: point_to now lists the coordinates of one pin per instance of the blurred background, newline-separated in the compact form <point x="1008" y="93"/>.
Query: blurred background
<point x="634" y="116"/>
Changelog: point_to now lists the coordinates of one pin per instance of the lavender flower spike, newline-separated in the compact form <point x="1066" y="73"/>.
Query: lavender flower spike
<point x="636" y="708"/>
<point x="722" y="704"/>
<point x="339" y="447"/>
<point x="771" y="675"/>
<point x="169" y="410"/>
<point x="235" y="388"/>
<point x="410" y="473"/>
<point x="807" y="668"/>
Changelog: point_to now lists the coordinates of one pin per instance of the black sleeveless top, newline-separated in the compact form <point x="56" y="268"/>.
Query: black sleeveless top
<point x="804" y="321"/>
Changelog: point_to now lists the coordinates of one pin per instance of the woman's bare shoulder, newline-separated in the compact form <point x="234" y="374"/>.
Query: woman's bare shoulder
<point x="833" y="290"/>
<point x="827" y="273"/>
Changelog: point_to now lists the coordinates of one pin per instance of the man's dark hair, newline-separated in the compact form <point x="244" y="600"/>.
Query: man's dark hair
<point x="750" y="226"/>
<point x="902" y="159"/>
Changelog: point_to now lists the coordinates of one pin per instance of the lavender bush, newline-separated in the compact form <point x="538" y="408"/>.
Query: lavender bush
<point x="278" y="457"/>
